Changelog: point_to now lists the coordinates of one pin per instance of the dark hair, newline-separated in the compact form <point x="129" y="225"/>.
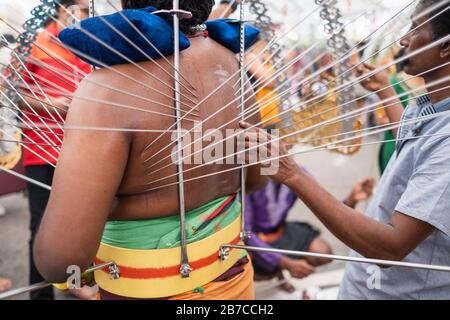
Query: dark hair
<point x="9" y="39"/>
<point x="200" y="9"/>
<point x="441" y="23"/>
<point x="57" y="6"/>
<point x="64" y="3"/>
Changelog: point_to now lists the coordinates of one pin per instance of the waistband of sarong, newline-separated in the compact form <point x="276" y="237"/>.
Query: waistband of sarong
<point x="164" y="232"/>
<point x="155" y="273"/>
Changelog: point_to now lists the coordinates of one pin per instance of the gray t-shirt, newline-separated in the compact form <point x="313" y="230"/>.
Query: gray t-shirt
<point x="416" y="183"/>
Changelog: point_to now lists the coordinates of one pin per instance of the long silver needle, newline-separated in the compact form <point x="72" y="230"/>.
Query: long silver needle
<point x="139" y="32"/>
<point x="56" y="72"/>
<point x="338" y="88"/>
<point x="339" y="118"/>
<point x="381" y="262"/>
<point x="118" y="53"/>
<point x="47" y="138"/>
<point x="220" y="110"/>
<point x="185" y="268"/>
<point x="244" y="235"/>
<point x="325" y="146"/>
<point x="51" y="55"/>
<point x="145" y="54"/>
<point x="26" y="136"/>
<point x="68" y="94"/>
<point x="229" y="79"/>
<point x="13" y="69"/>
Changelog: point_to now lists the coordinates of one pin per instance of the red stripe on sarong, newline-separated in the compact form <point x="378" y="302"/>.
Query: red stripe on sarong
<point x="223" y="205"/>
<point x="152" y="273"/>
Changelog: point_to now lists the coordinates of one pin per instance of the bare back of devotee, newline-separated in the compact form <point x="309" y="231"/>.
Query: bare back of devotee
<point x="205" y="72"/>
<point x="102" y="174"/>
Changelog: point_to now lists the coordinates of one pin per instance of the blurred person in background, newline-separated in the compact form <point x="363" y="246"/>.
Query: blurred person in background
<point x="401" y="85"/>
<point x="408" y="218"/>
<point x="5" y="55"/>
<point x="48" y="51"/>
<point x="260" y="71"/>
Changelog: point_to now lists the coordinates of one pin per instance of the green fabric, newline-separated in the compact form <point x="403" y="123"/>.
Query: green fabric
<point x="164" y="233"/>
<point x="388" y="148"/>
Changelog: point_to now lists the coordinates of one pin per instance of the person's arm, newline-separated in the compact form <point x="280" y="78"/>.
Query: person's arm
<point x="395" y="109"/>
<point x="378" y="81"/>
<point x="86" y="180"/>
<point x="372" y="239"/>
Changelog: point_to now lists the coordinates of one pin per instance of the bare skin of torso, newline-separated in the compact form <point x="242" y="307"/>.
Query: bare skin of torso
<point x="205" y="72"/>
<point x="102" y="175"/>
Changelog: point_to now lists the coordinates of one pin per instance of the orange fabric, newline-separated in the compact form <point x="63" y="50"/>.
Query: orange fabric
<point x="48" y="47"/>
<point x="270" y="110"/>
<point x="273" y="236"/>
<point x="266" y="94"/>
<point x="239" y="287"/>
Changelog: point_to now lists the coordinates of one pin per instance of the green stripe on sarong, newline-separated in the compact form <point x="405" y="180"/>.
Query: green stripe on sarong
<point x="164" y="233"/>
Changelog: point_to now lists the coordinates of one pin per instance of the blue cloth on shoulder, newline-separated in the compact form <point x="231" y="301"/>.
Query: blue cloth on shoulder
<point x="227" y="33"/>
<point x="156" y="29"/>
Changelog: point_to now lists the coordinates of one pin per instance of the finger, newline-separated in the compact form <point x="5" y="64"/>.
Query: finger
<point x="369" y="66"/>
<point x="370" y="183"/>
<point x="263" y="136"/>
<point x="299" y="275"/>
<point x="288" y="146"/>
<point x="309" y="268"/>
<point x="244" y="125"/>
<point x="306" y="266"/>
<point x="259" y="135"/>
<point x="251" y="136"/>
<point x="252" y="160"/>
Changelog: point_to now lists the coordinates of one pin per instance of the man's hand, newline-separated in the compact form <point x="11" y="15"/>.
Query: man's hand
<point x="362" y="191"/>
<point x="297" y="268"/>
<point x="224" y="9"/>
<point x="377" y="81"/>
<point x="259" y="140"/>
<point x="380" y="83"/>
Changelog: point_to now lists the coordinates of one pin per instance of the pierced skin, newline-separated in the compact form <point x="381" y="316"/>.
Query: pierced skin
<point x="102" y="176"/>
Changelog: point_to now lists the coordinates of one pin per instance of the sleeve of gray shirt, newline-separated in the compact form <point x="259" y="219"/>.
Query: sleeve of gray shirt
<point x="427" y="196"/>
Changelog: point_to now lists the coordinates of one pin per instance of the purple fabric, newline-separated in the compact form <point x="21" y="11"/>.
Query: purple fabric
<point x="265" y="212"/>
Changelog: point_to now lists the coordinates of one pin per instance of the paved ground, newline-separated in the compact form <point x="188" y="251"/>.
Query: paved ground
<point x="336" y="172"/>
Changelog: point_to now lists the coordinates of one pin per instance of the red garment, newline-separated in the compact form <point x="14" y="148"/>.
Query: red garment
<point x="45" y="49"/>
